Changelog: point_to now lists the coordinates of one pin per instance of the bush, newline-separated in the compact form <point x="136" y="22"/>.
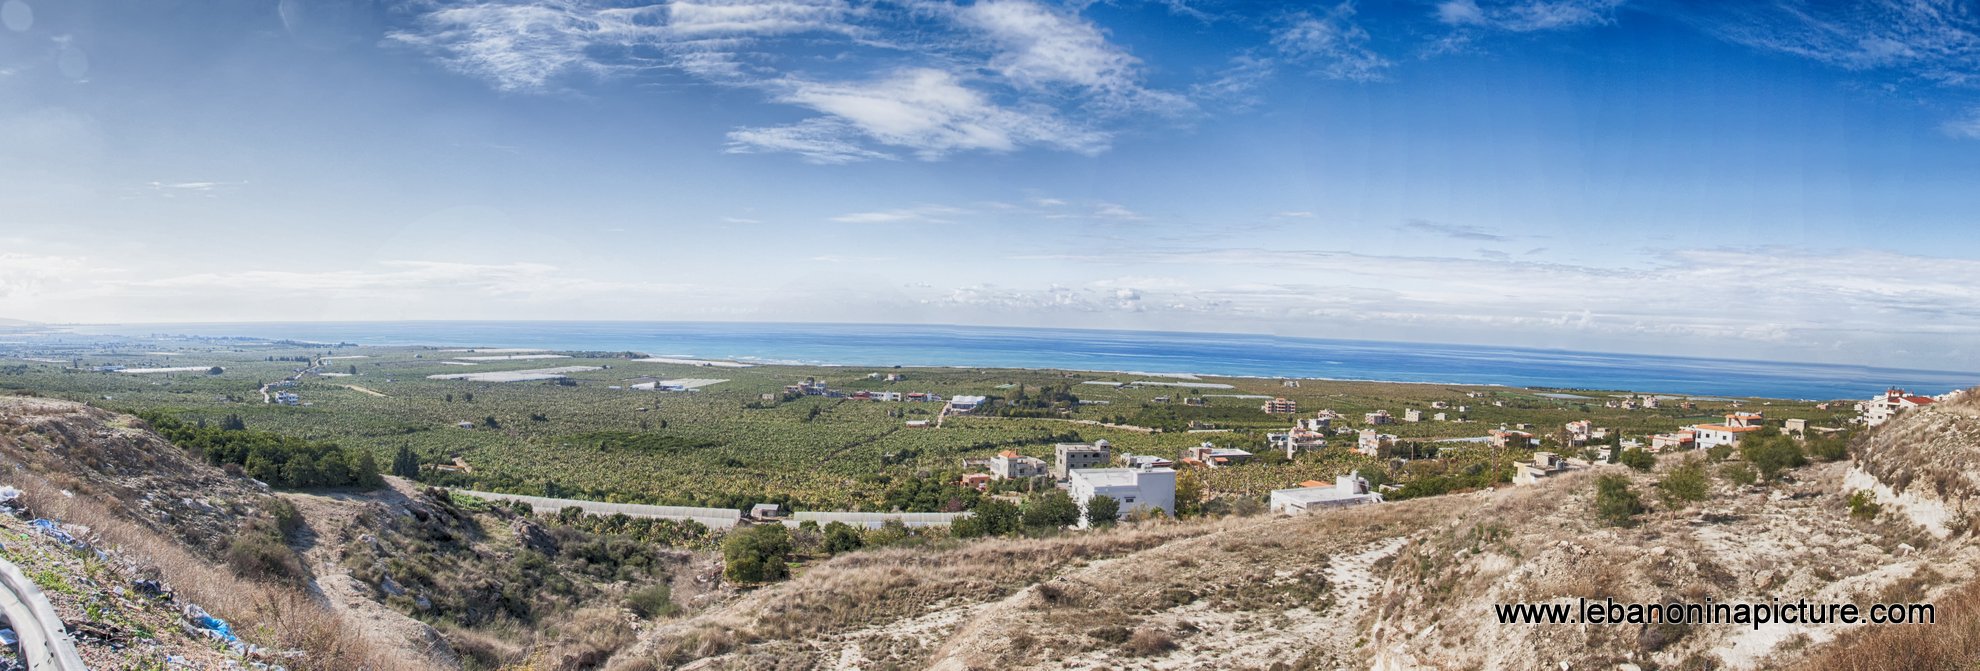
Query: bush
<point x="1718" y="453"/>
<point x="1738" y="474"/>
<point x="651" y="601"/>
<point x="1050" y="510"/>
<point x="1103" y="511"/>
<point x="1771" y="456"/>
<point x="1615" y="502"/>
<point x="1150" y="642"/>
<point x="842" y="537"/>
<point x="1637" y="459"/>
<point x="1828" y="448"/>
<point x="1863" y="506"/>
<point x="1685" y="483"/>
<point x="757" y="554"/>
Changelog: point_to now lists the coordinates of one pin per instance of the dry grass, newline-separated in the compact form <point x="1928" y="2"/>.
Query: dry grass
<point x="48" y="435"/>
<point x="1952" y="644"/>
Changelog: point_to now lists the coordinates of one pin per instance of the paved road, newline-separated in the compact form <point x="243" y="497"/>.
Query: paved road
<point x="45" y="646"/>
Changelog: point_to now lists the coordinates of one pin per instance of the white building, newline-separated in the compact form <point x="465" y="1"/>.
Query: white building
<point x="1879" y="410"/>
<point x="1347" y="490"/>
<point x="1370" y="442"/>
<point x="1134" y="488"/>
<point x="966" y="403"/>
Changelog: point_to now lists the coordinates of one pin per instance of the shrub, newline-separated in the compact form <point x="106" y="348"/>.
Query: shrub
<point x="651" y="601"/>
<point x="842" y="537"/>
<point x="757" y="554"/>
<point x="1150" y="642"/>
<point x="1637" y="459"/>
<point x="1771" y="456"/>
<point x="1685" y="483"/>
<point x="1615" y="502"/>
<point x="1828" y="448"/>
<point x="1738" y="474"/>
<point x="1050" y="510"/>
<point x="1863" y="505"/>
<point x="1103" y="511"/>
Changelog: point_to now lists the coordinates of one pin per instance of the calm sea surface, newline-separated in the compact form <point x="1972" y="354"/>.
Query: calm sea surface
<point x="1213" y="354"/>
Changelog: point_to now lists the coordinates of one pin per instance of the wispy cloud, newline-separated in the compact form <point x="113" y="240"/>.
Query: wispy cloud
<point x="924" y="80"/>
<point x="1965" y="127"/>
<point x="933" y="214"/>
<point x="1527" y="15"/>
<point x="172" y="189"/>
<point x="1332" y="44"/>
<point x="1934" y="40"/>
<point x="1454" y="231"/>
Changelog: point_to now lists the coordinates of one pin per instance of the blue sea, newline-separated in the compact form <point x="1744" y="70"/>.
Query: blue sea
<point x="1098" y="350"/>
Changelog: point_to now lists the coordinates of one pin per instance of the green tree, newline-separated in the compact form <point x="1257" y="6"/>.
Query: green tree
<point x="1189" y="493"/>
<point x="1685" y="483"/>
<point x="1102" y="511"/>
<point x="1050" y="509"/>
<point x="998" y="516"/>
<point x="841" y="537"/>
<point x="757" y="554"/>
<point x="364" y="471"/>
<point x="1615" y="501"/>
<point x="300" y="472"/>
<point x="1638" y="459"/>
<point x="404" y="464"/>
<point x="1737" y="473"/>
<point x="1772" y="456"/>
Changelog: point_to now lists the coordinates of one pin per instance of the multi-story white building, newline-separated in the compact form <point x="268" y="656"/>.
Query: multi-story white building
<point x="1134" y="488"/>
<point x="1008" y="465"/>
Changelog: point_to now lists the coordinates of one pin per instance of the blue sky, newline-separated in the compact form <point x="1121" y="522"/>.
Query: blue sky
<point x="1782" y="181"/>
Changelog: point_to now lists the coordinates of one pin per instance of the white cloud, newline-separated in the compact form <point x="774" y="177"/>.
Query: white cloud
<point x="933" y="214"/>
<point x="1038" y="47"/>
<point x="927" y="80"/>
<point x="1938" y="41"/>
<point x="1528" y="15"/>
<point x="821" y="140"/>
<point x="1966" y="127"/>
<point x="932" y="113"/>
<point x="1333" y="44"/>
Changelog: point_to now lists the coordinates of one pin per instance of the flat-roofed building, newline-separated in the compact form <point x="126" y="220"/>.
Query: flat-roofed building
<point x="1347" y="490"/>
<point x="1134" y="488"/>
<point x="1070" y="456"/>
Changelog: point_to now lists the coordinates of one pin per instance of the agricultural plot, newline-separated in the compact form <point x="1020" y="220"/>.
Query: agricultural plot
<point x="566" y="432"/>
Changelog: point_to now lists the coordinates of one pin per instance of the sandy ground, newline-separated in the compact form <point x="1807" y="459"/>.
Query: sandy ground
<point x="363" y="390"/>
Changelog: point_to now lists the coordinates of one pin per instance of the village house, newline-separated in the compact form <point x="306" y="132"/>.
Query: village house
<point x="1439" y="405"/>
<point x="1795" y="427"/>
<point x="1370" y="442"/>
<point x="1195" y="401"/>
<point x="1216" y="457"/>
<point x="1673" y="441"/>
<point x="1134" y="488"/>
<point x="1378" y="418"/>
<point x="1145" y="461"/>
<point x="766" y="511"/>
<point x="1737" y="425"/>
<point x="966" y="404"/>
<point x="895" y="377"/>
<point x="1322" y="421"/>
<point x="1347" y="490"/>
<point x="1412" y="415"/>
<point x="1009" y="465"/>
<point x="1879" y="410"/>
<point x="1579" y="432"/>
<point x="1298" y="440"/>
<point x="1072" y="456"/>
<point x="1280" y="406"/>
<point x="1510" y="438"/>
<point x="1441" y="417"/>
<point x="1545" y="464"/>
<point x="977" y="481"/>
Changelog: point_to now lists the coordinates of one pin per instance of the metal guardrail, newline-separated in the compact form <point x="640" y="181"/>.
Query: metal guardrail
<point x="45" y="645"/>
